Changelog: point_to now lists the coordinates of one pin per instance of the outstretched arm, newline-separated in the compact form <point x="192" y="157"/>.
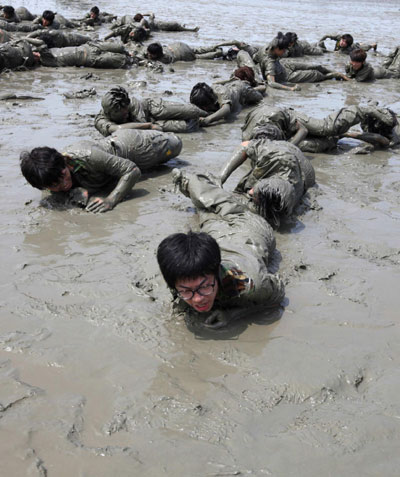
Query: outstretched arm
<point x="234" y="162"/>
<point x="273" y="84"/>
<point x="300" y="134"/>
<point x="372" y="138"/>
<point x="222" y="112"/>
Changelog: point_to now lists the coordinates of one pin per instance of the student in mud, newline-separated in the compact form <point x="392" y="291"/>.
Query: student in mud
<point x="24" y="14"/>
<point x="157" y="25"/>
<point x="359" y="70"/>
<point x="280" y="173"/>
<point x="321" y="135"/>
<point x="129" y="32"/>
<point x="96" y="18"/>
<point x="47" y="20"/>
<point x="9" y="15"/>
<point x="219" y="101"/>
<point x="179" y="51"/>
<point x="280" y="77"/>
<point x="123" y="112"/>
<point x="18" y="27"/>
<point x="17" y="54"/>
<point x="297" y="48"/>
<point x="98" y="54"/>
<point x="224" y="266"/>
<point x="345" y="44"/>
<point x="57" y="38"/>
<point x="392" y="62"/>
<point x="87" y="168"/>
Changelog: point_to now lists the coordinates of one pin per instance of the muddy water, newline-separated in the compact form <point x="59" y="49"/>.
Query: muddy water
<point x="97" y="379"/>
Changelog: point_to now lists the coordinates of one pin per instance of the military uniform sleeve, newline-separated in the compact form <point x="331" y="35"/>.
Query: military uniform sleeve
<point x="249" y="95"/>
<point x="365" y="74"/>
<point x="124" y="170"/>
<point x="102" y="123"/>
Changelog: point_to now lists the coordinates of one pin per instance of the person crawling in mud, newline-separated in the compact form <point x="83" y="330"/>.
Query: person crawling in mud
<point x="280" y="173"/>
<point x="85" y="171"/>
<point x="225" y="265"/>
<point x="359" y="70"/>
<point x="345" y="43"/>
<point x="9" y="14"/>
<point x="220" y="100"/>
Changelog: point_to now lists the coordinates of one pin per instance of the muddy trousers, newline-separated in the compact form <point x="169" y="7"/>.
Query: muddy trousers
<point x="305" y="73"/>
<point x="245" y="238"/>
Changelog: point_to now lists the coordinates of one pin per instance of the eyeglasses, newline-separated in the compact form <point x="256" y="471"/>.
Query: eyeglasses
<point x="202" y="290"/>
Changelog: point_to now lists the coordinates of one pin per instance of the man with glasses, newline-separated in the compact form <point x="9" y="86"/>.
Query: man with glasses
<point x="225" y="265"/>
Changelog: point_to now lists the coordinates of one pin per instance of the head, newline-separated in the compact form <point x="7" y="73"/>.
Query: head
<point x="46" y="168"/>
<point x="138" y="17"/>
<point x="190" y="265"/>
<point x="94" y="12"/>
<point x="8" y="11"/>
<point x="155" y="51"/>
<point x="115" y="104"/>
<point x="346" y="40"/>
<point x="292" y="37"/>
<point x="279" y="44"/>
<point x="204" y="97"/>
<point x="268" y="131"/>
<point x="47" y="17"/>
<point x="245" y="73"/>
<point x="138" y="34"/>
<point x="357" y="58"/>
<point x="48" y="39"/>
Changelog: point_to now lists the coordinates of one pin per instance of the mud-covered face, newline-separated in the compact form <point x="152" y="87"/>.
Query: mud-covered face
<point x="45" y="22"/>
<point x="279" y="51"/>
<point x="343" y="43"/>
<point x="357" y="65"/>
<point x="119" y="115"/>
<point x="64" y="184"/>
<point x="199" y="292"/>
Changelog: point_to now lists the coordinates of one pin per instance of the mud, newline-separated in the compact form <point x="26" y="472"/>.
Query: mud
<point x="97" y="378"/>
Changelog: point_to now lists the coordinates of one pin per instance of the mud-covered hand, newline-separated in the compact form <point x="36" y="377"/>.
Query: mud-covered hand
<point x="79" y="196"/>
<point x="217" y="319"/>
<point x="98" y="204"/>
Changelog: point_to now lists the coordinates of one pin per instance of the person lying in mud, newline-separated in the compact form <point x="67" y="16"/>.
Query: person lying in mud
<point x="281" y="76"/>
<point x="17" y="54"/>
<point x="157" y="25"/>
<point x="95" y="18"/>
<point x="119" y="111"/>
<point x="129" y="32"/>
<point x="95" y="54"/>
<point x="47" y="20"/>
<point x="84" y="171"/>
<point x="225" y="265"/>
<point x="321" y="135"/>
<point x="359" y="70"/>
<point x="297" y="48"/>
<point x="24" y="14"/>
<point x="9" y="15"/>
<point x="219" y="101"/>
<point x="280" y="173"/>
<point x="179" y="51"/>
<point x="57" y="38"/>
<point x="392" y="62"/>
<point x="18" y="27"/>
<point x="5" y="36"/>
<point x="345" y="44"/>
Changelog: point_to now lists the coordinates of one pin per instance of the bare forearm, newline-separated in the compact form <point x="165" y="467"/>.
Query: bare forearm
<point x="234" y="162"/>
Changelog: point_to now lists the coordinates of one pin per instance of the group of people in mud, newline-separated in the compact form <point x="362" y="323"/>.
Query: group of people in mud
<point x="225" y="264"/>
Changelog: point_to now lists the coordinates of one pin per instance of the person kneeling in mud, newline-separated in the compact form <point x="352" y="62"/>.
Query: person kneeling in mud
<point x="123" y="112"/>
<point x="219" y="101"/>
<point x="279" y="177"/>
<point x="224" y="266"/>
<point x="88" y="168"/>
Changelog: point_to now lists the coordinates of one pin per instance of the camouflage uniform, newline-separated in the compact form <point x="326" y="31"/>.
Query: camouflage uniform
<point x="16" y="53"/>
<point x="146" y="149"/>
<point x="63" y="39"/>
<point x="21" y="27"/>
<point x="237" y="94"/>
<point x="365" y="73"/>
<point x="303" y="48"/>
<point x="246" y="241"/>
<point x="24" y="14"/>
<point x="93" y="55"/>
<point x="172" y="117"/>
<point x="392" y="63"/>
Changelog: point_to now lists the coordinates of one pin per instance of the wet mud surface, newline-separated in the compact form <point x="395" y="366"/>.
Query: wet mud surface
<point x="97" y="378"/>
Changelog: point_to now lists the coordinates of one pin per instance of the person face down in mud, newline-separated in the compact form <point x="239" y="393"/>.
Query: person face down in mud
<point x="47" y="169"/>
<point x="190" y="265"/>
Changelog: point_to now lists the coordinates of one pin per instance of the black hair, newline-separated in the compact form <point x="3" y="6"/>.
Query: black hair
<point x="139" y="34"/>
<point x="188" y="256"/>
<point x="280" y="41"/>
<point x="291" y="36"/>
<point x="95" y="10"/>
<point x="203" y="96"/>
<point x="155" y="50"/>
<point x="48" y="15"/>
<point x="138" y="17"/>
<point x="42" y="167"/>
<point x="347" y="38"/>
<point x="268" y="131"/>
<point x="48" y="39"/>
<point x="8" y="10"/>
<point x="372" y="124"/>
<point x="358" y="55"/>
